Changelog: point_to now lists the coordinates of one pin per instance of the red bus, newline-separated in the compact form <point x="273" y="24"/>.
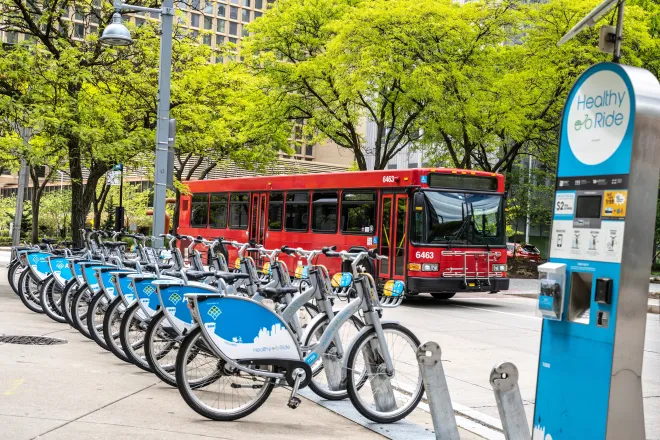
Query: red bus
<point x="442" y="230"/>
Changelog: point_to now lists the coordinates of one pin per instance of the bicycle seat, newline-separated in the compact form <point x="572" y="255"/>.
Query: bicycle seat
<point x="59" y="252"/>
<point x="114" y="244"/>
<point x="276" y="293"/>
<point x="196" y="275"/>
<point x="161" y="266"/>
<point x="231" y="277"/>
<point x="130" y="263"/>
<point x="48" y="241"/>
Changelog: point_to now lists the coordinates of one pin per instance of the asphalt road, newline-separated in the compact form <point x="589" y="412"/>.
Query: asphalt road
<point x="476" y="331"/>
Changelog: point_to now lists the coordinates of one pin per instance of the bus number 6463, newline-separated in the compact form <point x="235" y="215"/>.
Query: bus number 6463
<point x="388" y="179"/>
<point x="427" y="255"/>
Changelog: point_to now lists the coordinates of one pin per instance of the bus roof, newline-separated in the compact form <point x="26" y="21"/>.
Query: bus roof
<point x="351" y="179"/>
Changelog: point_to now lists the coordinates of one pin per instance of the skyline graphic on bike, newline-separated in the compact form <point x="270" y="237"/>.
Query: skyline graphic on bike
<point x="245" y="329"/>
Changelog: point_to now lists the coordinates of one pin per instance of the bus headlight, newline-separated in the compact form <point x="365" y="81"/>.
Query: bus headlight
<point x="428" y="267"/>
<point x="414" y="266"/>
<point x="499" y="267"/>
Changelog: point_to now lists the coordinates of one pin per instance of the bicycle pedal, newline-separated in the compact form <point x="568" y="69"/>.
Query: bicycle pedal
<point x="294" y="402"/>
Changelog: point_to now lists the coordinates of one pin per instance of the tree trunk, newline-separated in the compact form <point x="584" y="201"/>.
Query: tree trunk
<point x="78" y="211"/>
<point x="35" y="216"/>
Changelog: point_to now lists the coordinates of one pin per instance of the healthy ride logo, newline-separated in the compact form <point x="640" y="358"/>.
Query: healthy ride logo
<point x="598" y="117"/>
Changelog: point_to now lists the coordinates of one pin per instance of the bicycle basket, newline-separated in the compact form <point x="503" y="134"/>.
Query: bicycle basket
<point x="393" y="294"/>
<point x="342" y="283"/>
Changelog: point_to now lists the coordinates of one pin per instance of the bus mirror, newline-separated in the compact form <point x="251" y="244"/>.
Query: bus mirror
<point x="419" y="201"/>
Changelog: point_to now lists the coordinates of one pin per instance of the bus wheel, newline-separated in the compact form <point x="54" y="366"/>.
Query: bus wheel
<point x="443" y="295"/>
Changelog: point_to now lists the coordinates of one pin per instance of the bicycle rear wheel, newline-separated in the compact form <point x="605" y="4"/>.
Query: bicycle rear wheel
<point x="161" y="349"/>
<point x="51" y="299"/>
<point x="28" y="291"/>
<point x="375" y="394"/>
<point x="211" y="387"/>
<point x="95" y="316"/>
<point x="131" y="335"/>
<point x="112" y="327"/>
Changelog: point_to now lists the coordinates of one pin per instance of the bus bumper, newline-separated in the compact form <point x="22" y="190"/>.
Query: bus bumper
<point x="451" y="285"/>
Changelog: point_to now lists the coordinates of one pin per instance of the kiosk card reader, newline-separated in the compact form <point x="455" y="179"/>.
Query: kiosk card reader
<point x="593" y="291"/>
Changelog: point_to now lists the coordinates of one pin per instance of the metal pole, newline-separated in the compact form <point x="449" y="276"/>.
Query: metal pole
<point x="529" y="196"/>
<point x="162" y="124"/>
<point x="618" y="33"/>
<point x="20" y="198"/>
<point x="437" y="392"/>
<point x="504" y="380"/>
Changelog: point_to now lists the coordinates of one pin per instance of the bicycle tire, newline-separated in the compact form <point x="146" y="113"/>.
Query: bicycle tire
<point x="354" y="387"/>
<point x="313" y="385"/>
<point x="99" y="302"/>
<point x="70" y="291"/>
<point x="28" y="291"/>
<point x="112" y="318"/>
<point x="189" y="344"/>
<point x="164" y="373"/>
<point x="79" y="309"/>
<point x="14" y="274"/>
<point x="49" y="288"/>
<point x="129" y="323"/>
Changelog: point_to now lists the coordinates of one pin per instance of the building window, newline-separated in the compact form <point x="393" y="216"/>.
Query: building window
<point x="324" y="212"/>
<point x="257" y="14"/>
<point x="218" y="214"/>
<point x="233" y="40"/>
<point x="234" y="2"/>
<point x="219" y="60"/>
<point x="391" y="166"/>
<point x="233" y="28"/>
<point x="275" y="208"/>
<point x="297" y="211"/>
<point x="245" y="15"/>
<point x="233" y="12"/>
<point x="79" y="30"/>
<point x="12" y="37"/>
<point x="195" y="4"/>
<point x="206" y="38"/>
<point x="246" y="3"/>
<point x="219" y="40"/>
<point x="222" y="10"/>
<point x="258" y="4"/>
<point x="358" y="212"/>
<point x="208" y="23"/>
<point x="199" y="215"/>
<point x="79" y="14"/>
<point x="244" y="32"/>
<point x="194" y="34"/>
<point x="238" y="211"/>
<point x="309" y="150"/>
<point x="220" y="26"/>
<point x="139" y="22"/>
<point x="194" y="20"/>
<point x="413" y="165"/>
<point x="208" y="7"/>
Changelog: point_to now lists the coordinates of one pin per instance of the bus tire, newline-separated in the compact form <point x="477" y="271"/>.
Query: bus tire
<point x="443" y="295"/>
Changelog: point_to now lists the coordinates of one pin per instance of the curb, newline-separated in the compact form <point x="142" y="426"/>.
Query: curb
<point x="654" y="308"/>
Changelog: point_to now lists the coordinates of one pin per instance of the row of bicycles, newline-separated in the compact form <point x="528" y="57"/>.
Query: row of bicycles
<point x="226" y="338"/>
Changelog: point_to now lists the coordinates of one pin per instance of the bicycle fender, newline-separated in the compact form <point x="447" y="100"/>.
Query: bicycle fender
<point x="364" y="330"/>
<point x="311" y="325"/>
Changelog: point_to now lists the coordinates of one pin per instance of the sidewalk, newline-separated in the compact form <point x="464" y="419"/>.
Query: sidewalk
<point x="78" y="391"/>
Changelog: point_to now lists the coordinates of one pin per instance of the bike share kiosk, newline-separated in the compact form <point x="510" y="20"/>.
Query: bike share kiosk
<point x="594" y="289"/>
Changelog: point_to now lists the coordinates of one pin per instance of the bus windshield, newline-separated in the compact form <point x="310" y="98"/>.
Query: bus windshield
<point x="458" y="218"/>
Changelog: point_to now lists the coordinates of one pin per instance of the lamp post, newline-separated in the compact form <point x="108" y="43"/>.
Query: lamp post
<point x="116" y="34"/>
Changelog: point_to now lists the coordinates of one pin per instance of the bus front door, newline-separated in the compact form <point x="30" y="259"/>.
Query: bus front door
<point x="258" y="218"/>
<point x="392" y="238"/>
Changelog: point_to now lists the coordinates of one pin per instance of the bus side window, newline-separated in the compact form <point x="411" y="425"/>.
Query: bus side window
<point x="358" y="212"/>
<point x="297" y="211"/>
<point x="199" y="216"/>
<point x="238" y="210"/>
<point x="218" y="212"/>
<point x="324" y="211"/>
<point x="275" y="211"/>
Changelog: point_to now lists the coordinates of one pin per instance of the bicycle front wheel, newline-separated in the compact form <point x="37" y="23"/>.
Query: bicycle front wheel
<point x="211" y="387"/>
<point x="95" y="316"/>
<point x="28" y="291"/>
<point x="112" y="327"/>
<point x="51" y="299"/>
<point x="79" y="308"/>
<point x="131" y="334"/>
<point x="14" y="274"/>
<point x="377" y="395"/>
<point x="161" y="348"/>
<point x="70" y="291"/>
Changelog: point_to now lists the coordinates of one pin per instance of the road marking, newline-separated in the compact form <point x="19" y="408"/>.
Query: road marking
<point x="15" y="384"/>
<point x="496" y="311"/>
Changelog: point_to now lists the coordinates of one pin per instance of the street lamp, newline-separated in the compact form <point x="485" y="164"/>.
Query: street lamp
<point x="116" y="34"/>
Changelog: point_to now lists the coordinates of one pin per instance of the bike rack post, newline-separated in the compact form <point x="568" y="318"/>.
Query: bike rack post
<point x="437" y="392"/>
<point x="504" y="380"/>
